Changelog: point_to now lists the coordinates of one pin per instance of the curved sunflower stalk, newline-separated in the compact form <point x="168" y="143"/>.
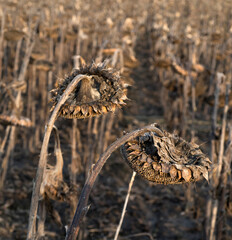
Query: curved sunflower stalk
<point x="43" y="158"/>
<point x="154" y="154"/>
<point x="89" y="91"/>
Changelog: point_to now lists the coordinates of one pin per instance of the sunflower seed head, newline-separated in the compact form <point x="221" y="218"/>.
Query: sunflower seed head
<point x="101" y="91"/>
<point x="164" y="158"/>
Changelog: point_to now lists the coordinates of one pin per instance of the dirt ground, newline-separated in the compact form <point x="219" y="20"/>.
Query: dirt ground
<point x="154" y="212"/>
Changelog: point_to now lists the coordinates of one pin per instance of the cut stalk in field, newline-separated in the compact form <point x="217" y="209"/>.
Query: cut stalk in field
<point x="74" y="162"/>
<point x="1" y="42"/>
<point x="125" y="205"/>
<point x="88" y="147"/>
<point x="224" y="120"/>
<point x="93" y="149"/>
<point x="211" y="202"/>
<point x="219" y="173"/>
<point x="17" y="101"/>
<point x="108" y="130"/>
<point x="3" y="143"/>
<point x="4" y="165"/>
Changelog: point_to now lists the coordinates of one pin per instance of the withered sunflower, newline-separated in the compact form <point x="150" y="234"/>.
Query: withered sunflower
<point x="165" y="158"/>
<point x="100" y="92"/>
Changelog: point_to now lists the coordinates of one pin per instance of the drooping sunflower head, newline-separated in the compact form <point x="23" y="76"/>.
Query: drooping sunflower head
<point x="164" y="158"/>
<point x="100" y="92"/>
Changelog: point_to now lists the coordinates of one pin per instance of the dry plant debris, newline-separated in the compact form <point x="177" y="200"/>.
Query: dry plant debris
<point x="15" y="121"/>
<point x="100" y="92"/>
<point x="43" y="65"/>
<point x="165" y="158"/>
<point x="13" y="34"/>
<point x="181" y="46"/>
<point x="53" y="184"/>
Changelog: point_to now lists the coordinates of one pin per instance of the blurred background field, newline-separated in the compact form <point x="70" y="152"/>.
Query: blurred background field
<point x="174" y="56"/>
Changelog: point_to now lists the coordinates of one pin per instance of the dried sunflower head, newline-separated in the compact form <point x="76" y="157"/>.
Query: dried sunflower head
<point x="14" y="34"/>
<point x="100" y="92"/>
<point x="165" y="158"/>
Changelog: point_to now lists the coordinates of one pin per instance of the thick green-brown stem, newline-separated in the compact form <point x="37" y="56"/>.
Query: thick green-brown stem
<point x="43" y="156"/>
<point x="83" y="201"/>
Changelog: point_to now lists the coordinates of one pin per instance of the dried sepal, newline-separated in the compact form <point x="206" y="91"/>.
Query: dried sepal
<point x="165" y="158"/>
<point x="99" y="93"/>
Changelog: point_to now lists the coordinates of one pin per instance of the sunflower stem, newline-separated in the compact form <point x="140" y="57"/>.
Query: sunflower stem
<point x="83" y="201"/>
<point x="43" y="157"/>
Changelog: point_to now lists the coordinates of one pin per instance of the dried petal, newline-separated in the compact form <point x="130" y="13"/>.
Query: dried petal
<point x="77" y="110"/>
<point x="143" y="157"/>
<point x="71" y="108"/>
<point x="84" y="110"/>
<point x="104" y="109"/>
<point x="196" y="174"/>
<point x="179" y="174"/>
<point x="113" y="107"/>
<point x="187" y="174"/>
<point x="133" y="141"/>
<point x="173" y="172"/>
<point x="146" y="165"/>
<point x="149" y="160"/>
<point x="136" y="152"/>
<point x="134" y="147"/>
<point x="156" y="166"/>
<point x="52" y="108"/>
<point x="124" y="97"/>
<point x="165" y="167"/>
<point x="95" y="108"/>
<point x="63" y="111"/>
<point x="90" y="110"/>
<point x="114" y="100"/>
<point x="205" y="173"/>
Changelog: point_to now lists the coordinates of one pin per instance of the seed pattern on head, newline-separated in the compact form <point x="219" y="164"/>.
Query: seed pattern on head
<point x="165" y="158"/>
<point x="100" y="92"/>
